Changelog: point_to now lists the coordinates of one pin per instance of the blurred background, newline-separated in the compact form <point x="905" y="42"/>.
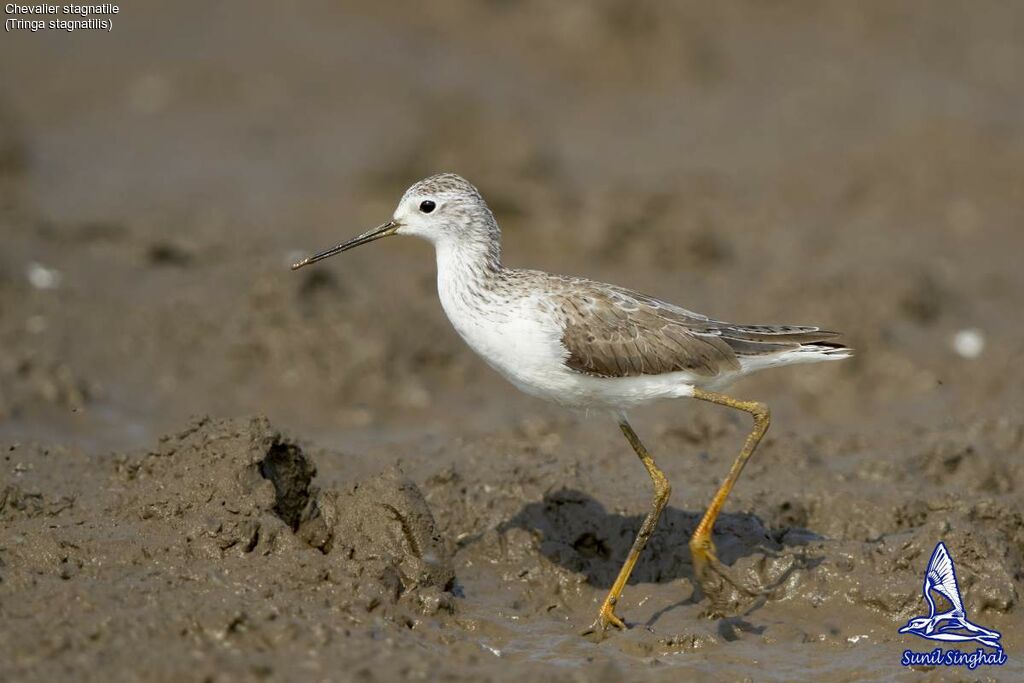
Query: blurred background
<point x="852" y="165"/>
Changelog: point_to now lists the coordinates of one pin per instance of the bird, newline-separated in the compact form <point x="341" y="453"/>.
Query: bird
<point x="594" y="346"/>
<point x="940" y="577"/>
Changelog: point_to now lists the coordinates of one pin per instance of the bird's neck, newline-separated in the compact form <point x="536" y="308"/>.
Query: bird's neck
<point x="469" y="261"/>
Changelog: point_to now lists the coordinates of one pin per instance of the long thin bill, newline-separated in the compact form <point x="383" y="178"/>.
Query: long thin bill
<point x="368" y="236"/>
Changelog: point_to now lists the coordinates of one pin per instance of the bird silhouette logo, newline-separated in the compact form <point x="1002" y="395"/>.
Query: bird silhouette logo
<point x="951" y="625"/>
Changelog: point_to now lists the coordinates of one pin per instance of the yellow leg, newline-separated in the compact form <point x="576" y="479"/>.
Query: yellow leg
<point x="702" y="548"/>
<point x="662" y="490"/>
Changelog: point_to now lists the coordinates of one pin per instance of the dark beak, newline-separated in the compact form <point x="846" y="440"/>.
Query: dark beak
<point x="367" y="237"/>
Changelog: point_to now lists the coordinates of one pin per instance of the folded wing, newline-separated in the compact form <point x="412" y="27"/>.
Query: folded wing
<point x="614" y="332"/>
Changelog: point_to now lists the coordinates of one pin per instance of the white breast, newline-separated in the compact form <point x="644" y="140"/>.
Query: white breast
<point x="510" y="332"/>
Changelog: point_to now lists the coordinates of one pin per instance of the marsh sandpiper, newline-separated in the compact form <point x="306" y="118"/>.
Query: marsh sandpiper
<point x="591" y="345"/>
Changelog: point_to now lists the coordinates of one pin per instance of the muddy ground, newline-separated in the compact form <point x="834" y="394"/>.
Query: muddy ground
<point x="401" y="512"/>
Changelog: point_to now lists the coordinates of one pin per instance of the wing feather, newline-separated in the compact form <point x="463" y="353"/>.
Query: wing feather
<point x="614" y="332"/>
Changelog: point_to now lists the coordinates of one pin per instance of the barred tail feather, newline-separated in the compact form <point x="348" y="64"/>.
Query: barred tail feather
<point x="815" y="352"/>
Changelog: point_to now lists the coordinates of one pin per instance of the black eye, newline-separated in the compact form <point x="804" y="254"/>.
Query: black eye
<point x="426" y="206"/>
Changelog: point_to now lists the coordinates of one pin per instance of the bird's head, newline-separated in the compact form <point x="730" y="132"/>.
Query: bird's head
<point x="444" y="209"/>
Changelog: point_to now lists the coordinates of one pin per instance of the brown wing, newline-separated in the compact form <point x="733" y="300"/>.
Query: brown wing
<point x="614" y="332"/>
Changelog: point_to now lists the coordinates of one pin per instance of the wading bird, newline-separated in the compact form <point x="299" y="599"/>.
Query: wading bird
<point x="586" y="344"/>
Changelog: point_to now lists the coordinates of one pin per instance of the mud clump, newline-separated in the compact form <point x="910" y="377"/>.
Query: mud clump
<point x="384" y="526"/>
<point x="241" y="485"/>
<point x="207" y="482"/>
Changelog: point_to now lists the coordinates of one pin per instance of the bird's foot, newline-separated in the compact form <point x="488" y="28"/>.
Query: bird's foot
<point x="726" y="592"/>
<point x="605" y="618"/>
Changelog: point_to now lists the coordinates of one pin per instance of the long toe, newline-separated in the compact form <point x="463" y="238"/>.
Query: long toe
<point x="605" y="618"/>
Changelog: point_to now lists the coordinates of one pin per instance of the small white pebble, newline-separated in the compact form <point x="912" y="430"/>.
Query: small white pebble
<point x="493" y="650"/>
<point x="41" y="277"/>
<point x="856" y="639"/>
<point x="969" y="343"/>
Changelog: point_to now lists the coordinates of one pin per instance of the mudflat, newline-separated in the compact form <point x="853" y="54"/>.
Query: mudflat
<point x="214" y="468"/>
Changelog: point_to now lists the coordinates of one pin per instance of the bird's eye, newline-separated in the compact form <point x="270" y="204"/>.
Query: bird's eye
<point x="426" y="206"/>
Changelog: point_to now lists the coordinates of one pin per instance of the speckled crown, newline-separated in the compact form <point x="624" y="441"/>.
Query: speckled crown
<point x="444" y="183"/>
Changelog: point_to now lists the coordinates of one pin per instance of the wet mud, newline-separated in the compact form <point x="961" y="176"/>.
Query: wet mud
<point x="360" y="498"/>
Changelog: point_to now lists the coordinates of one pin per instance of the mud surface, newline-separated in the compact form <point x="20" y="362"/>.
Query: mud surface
<point x="403" y="513"/>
